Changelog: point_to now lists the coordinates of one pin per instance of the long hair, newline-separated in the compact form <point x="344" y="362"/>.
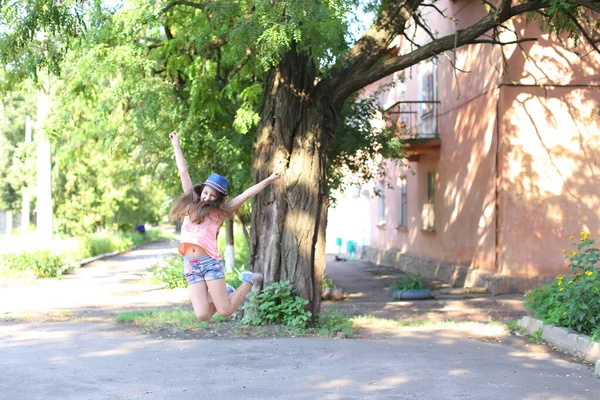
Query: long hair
<point x="190" y="204"/>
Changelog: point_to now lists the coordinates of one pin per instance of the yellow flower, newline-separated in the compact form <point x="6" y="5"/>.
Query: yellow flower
<point x="565" y="313"/>
<point x="561" y="289"/>
<point x="573" y="253"/>
<point x="559" y="276"/>
<point x="532" y="299"/>
<point x="559" y="283"/>
<point x="564" y="250"/>
<point x="589" y="273"/>
<point x="570" y="282"/>
<point x="571" y="237"/>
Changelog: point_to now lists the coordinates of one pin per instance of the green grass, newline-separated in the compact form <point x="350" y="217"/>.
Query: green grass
<point x="369" y="321"/>
<point x="150" y="320"/>
<point x="330" y="322"/>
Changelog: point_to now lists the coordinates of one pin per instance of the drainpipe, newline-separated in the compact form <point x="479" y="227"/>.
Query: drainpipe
<point x="497" y="184"/>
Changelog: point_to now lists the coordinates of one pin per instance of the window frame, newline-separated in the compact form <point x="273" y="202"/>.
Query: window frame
<point x="402" y="202"/>
<point x="429" y="203"/>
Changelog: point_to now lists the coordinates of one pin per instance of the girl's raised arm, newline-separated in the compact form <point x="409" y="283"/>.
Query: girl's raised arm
<point x="234" y="204"/>
<point x="182" y="167"/>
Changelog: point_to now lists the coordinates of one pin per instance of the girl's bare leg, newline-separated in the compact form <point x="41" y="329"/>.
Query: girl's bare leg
<point x="203" y="308"/>
<point x="226" y="305"/>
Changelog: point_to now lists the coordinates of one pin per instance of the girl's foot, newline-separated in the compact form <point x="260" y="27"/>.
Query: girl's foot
<point x="230" y="289"/>
<point x="252" y="277"/>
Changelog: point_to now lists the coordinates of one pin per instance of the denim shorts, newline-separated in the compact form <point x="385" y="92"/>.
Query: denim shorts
<point x="201" y="269"/>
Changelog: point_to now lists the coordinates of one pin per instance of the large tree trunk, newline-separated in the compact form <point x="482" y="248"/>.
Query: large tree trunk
<point x="289" y="219"/>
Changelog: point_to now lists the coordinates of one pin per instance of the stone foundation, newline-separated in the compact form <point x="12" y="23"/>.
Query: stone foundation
<point x="455" y="274"/>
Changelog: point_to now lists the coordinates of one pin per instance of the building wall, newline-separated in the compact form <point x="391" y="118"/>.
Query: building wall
<point x="549" y="172"/>
<point x="464" y="166"/>
<point x="508" y="144"/>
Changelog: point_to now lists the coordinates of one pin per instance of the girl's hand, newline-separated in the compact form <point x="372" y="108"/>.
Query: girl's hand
<point x="274" y="176"/>
<point x="174" y="137"/>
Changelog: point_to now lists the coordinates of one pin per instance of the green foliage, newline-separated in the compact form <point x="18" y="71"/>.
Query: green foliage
<point x="168" y="272"/>
<point x="328" y="283"/>
<point x="38" y="264"/>
<point x="277" y="304"/>
<point x="571" y="301"/>
<point x="36" y="35"/>
<point x="17" y="166"/>
<point x="241" y="253"/>
<point x="409" y="282"/>
<point x="358" y="144"/>
<point x="537" y="336"/>
<point x="586" y="257"/>
<point x="180" y="319"/>
<point x="330" y="321"/>
<point x="102" y="243"/>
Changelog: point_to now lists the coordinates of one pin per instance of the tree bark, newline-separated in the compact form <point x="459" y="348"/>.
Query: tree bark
<point x="289" y="219"/>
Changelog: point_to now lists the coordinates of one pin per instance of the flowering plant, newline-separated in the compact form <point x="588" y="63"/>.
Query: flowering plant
<point x="572" y="301"/>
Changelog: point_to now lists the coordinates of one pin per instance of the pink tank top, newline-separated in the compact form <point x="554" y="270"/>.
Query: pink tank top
<point x="204" y="234"/>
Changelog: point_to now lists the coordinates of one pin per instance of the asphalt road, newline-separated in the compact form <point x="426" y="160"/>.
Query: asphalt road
<point x="101" y="360"/>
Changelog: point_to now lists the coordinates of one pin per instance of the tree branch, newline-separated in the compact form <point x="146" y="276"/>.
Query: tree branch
<point x="592" y="5"/>
<point x="200" y="6"/>
<point x="589" y="39"/>
<point x="489" y="4"/>
<point x="496" y="42"/>
<point x="241" y="64"/>
<point x="503" y="11"/>
<point x="440" y="11"/>
<point x="352" y="80"/>
<point x="420" y="22"/>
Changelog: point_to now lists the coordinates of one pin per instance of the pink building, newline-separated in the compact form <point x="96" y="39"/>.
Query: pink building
<point x="505" y="166"/>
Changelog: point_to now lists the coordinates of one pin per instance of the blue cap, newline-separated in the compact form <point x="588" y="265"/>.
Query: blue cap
<point x="217" y="182"/>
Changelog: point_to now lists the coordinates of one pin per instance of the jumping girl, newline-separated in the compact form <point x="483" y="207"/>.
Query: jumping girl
<point x="203" y="209"/>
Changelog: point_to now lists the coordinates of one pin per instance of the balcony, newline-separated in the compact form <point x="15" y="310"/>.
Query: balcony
<point x="417" y="124"/>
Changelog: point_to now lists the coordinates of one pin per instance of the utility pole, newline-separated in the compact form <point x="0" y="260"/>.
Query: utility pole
<point x="26" y="207"/>
<point x="44" y="168"/>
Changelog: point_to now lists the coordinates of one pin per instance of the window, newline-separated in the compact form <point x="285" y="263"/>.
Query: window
<point x="428" y="214"/>
<point x="381" y="202"/>
<point x="427" y="114"/>
<point x="427" y="88"/>
<point x="402" y="194"/>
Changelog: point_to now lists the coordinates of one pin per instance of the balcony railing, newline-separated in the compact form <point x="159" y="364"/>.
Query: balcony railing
<point x="414" y="119"/>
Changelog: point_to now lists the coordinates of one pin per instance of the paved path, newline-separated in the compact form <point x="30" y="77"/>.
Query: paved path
<point x="105" y="287"/>
<point x="101" y="360"/>
<point x="366" y="286"/>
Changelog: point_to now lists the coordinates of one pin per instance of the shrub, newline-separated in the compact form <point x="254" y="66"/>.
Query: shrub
<point x="39" y="264"/>
<point x="572" y="301"/>
<point x="328" y="283"/>
<point x="409" y="282"/>
<point x="277" y="303"/>
<point x="168" y="272"/>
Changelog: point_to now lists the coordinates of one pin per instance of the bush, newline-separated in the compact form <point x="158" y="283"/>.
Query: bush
<point x="168" y="272"/>
<point x="328" y="283"/>
<point x="39" y="264"/>
<point x="277" y="303"/>
<point x="102" y="243"/>
<point x="572" y="301"/>
<point x="409" y="282"/>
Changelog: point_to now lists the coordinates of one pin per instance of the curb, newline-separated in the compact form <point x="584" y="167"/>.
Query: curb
<point x="88" y="260"/>
<point x="565" y="339"/>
